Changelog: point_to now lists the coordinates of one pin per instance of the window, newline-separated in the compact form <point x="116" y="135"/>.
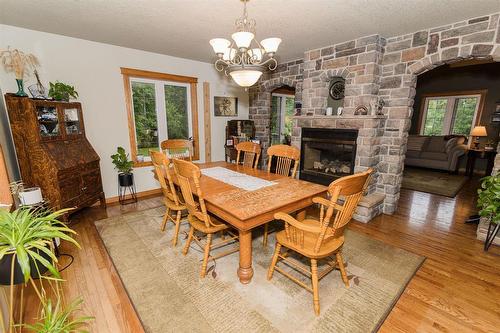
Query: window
<point x="160" y="107"/>
<point x="282" y="111"/>
<point x="451" y="114"/>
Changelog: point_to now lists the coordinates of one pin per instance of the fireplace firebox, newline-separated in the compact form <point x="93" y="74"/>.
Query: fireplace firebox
<point x="327" y="154"/>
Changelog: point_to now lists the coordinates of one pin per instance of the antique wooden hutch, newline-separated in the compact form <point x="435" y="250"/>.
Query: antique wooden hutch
<point x="53" y="152"/>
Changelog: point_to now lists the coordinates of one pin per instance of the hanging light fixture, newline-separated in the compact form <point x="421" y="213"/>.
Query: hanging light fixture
<point x="244" y="58"/>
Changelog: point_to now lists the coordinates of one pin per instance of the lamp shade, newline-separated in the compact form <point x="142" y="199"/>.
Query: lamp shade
<point x="479" y="131"/>
<point x="219" y="45"/>
<point x="271" y="44"/>
<point x="245" y="78"/>
<point x="243" y="39"/>
<point x="256" y="54"/>
<point x="229" y="54"/>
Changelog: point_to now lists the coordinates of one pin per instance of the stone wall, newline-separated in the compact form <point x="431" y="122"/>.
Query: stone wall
<point x="496" y="166"/>
<point x="376" y="68"/>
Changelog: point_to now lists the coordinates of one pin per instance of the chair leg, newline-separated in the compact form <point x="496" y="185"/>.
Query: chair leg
<point x="189" y="240"/>
<point x="266" y="230"/>
<point x="314" y="278"/>
<point x="205" y="256"/>
<point x="274" y="261"/>
<point x="177" y="226"/>
<point x="340" y="262"/>
<point x="165" y="219"/>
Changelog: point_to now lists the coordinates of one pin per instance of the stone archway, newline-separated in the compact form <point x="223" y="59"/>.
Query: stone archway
<point x="400" y="113"/>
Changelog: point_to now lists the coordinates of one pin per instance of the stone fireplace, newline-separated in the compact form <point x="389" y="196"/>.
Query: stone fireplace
<point x="374" y="68"/>
<point x="327" y="154"/>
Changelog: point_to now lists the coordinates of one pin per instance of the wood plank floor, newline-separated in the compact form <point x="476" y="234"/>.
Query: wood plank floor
<point x="457" y="289"/>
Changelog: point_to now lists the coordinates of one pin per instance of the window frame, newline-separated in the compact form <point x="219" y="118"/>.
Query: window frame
<point x="452" y="95"/>
<point x="129" y="75"/>
<point x="282" y="110"/>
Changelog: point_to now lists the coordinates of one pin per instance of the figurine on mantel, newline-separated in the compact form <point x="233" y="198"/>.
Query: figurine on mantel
<point x="376" y="107"/>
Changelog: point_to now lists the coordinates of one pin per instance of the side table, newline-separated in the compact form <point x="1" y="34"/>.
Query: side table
<point x="474" y="154"/>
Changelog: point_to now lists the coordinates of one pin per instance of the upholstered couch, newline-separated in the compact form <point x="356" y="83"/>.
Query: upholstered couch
<point x="435" y="152"/>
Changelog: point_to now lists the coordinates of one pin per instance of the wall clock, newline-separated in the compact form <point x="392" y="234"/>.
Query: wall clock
<point x="336" y="90"/>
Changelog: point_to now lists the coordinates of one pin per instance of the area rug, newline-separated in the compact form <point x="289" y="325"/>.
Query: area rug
<point x="434" y="182"/>
<point x="169" y="296"/>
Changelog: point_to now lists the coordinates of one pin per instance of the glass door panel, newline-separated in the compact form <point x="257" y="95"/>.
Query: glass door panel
<point x="48" y="121"/>
<point x="434" y="117"/>
<point x="146" y="123"/>
<point x="275" y="120"/>
<point x="72" y="121"/>
<point x="176" y="109"/>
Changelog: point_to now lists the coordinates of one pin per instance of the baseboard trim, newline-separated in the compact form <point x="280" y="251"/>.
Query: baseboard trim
<point x="142" y="194"/>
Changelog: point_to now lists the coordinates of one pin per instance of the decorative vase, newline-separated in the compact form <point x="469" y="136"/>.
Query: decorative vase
<point x="20" y="88"/>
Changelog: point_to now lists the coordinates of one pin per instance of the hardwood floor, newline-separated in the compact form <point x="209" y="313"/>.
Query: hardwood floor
<point x="457" y="289"/>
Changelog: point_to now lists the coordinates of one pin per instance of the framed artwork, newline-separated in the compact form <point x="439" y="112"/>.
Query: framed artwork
<point x="225" y="106"/>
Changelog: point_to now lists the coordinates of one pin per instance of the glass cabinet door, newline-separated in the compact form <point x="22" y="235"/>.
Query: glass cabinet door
<point x="72" y="121"/>
<point x="48" y="121"/>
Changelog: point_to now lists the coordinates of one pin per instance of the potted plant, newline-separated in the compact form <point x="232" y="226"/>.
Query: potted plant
<point x="20" y="63"/>
<point x="61" y="91"/>
<point x="489" y="203"/>
<point x="26" y="243"/>
<point x="124" y="167"/>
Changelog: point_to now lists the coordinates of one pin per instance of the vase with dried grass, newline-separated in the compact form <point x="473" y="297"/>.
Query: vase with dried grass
<point x="20" y="63"/>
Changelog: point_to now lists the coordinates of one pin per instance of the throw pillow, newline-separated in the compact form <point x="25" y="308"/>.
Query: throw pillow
<point x="450" y="144"/>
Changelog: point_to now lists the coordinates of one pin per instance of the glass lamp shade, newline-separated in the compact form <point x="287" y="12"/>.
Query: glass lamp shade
<point x="271" y="44"/>
<point x="245" y="77"/>
<point x="219" y="45"/>
<point x="229" y="54"/>
<point x="255" y="52"/>
<point x="479" y="131"/>
<point x="242" y="39"/>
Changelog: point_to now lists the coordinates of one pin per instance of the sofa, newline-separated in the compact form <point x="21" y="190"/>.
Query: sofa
<point x="435" y="152"/>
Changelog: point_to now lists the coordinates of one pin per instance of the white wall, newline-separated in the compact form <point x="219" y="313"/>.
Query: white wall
<point x="94" y="69"/>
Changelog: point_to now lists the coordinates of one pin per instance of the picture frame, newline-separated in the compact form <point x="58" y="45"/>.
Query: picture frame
<point x="225" y="106"/>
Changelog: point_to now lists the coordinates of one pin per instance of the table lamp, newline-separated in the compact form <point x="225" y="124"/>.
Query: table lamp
<point x="476" y="133"/>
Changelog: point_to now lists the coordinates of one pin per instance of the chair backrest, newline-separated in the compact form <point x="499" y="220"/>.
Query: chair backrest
<point x="285" y="155"/>
<point x="178" y="148"/>
<point x="345" y="194"/>
<point x="188" y="176"/>
<point x="161" y="164"/>
<point x="251" y="153"/>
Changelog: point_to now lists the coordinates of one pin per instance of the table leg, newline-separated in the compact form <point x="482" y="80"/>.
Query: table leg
<point x="245" y="271"/>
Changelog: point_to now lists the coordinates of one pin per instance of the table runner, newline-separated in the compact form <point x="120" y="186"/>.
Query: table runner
<point x="237" y="179"/>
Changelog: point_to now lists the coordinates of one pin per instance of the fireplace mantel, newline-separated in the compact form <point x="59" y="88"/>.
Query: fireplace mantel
<point x="348" y="116"/>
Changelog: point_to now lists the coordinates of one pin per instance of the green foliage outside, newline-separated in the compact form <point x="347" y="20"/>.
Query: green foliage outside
<point x="464" y="115"/>
<point x="146" y="122"/>
<point x="462" y="118"/>
<point x="434" y="121"/>
<point x="275" y="125"/>
<point x="489" y="198"/>
<point x="146" y="125"/>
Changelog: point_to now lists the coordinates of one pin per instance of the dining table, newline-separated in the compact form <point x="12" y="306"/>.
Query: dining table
<point x="246" y="209"/>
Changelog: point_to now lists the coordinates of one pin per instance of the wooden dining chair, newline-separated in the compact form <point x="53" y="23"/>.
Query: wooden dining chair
<point x="287" y="160"/>
<point x="250" y="152"/>
<point x="322" y="238"/>
<point x="171" y="198"/>
<point x="188" y="176"/>
<point x="178" y="148"/>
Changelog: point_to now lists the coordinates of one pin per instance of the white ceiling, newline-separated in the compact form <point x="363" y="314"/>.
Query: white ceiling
<point x="183" y="27"/>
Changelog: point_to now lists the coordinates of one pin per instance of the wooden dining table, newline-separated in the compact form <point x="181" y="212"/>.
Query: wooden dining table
<point x="246" y="210"/>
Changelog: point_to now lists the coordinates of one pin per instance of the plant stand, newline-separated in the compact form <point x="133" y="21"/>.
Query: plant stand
<point x="126" y="184"/>
<point x="493" y="229"/>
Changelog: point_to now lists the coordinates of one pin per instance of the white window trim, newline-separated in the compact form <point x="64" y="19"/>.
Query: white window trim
<point x="450" y="105"/>
<point x="161" y="115"/>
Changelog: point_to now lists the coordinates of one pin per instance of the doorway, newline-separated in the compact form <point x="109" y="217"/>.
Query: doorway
<point x="282" y="112"/>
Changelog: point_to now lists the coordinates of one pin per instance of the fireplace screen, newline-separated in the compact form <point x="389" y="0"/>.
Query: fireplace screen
<point x="327" y="154"/>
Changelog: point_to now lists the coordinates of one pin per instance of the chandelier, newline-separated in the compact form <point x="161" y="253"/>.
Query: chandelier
<point x="244" y="58"/>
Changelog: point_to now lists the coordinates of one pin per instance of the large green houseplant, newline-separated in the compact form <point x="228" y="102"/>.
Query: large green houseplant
<point x="26" y="252"/>
<point x="62" y="91"/>
<point x="124" y="167"/>
<point x="489" y="204"/>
